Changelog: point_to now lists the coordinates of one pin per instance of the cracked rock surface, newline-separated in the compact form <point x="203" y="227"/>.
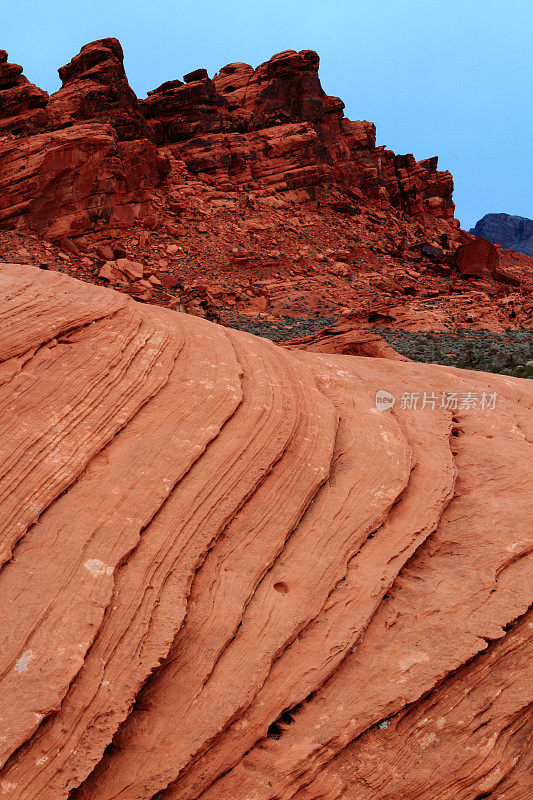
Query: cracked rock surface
<point x="225" y="573"/>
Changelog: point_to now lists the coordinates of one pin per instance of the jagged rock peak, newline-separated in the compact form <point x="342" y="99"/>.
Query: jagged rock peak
<point x="102" y="53"/>
<point x="21" y="102"/>
<point x="271" y="128"/>
<point x="95" y="87"/>
<point x="276" y="125"/>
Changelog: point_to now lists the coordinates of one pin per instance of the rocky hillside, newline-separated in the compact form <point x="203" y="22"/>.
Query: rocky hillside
<point x="273" y="126"/>
<point x="514" y="233"/>
<point x="233" y="570"/>
<point x="247" y="197"/>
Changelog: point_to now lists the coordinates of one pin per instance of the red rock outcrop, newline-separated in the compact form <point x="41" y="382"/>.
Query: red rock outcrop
<point x="22" y="104"/>
<point x="346" y="338"/>
<point x="92" y="164"/>
<point x="177" y="111"/>
<point x="64" y="182"/>
<point x="95" y="87"/>
<point x="229" y="572"/>
<point x="271" y="128"/>
<point x="285" y="132"/>
<point x="251" y="189"/>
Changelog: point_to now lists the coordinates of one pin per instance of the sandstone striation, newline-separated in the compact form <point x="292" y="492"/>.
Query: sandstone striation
<point x="229" y="573"/>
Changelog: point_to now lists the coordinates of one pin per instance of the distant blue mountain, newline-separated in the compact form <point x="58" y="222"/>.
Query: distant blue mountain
<point x="513" y="233"/>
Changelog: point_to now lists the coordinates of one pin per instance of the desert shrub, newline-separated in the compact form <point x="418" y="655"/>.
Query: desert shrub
<point x="506" y="353"/>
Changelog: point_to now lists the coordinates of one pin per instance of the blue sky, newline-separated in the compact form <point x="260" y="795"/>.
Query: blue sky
<point x="451" y="78"/>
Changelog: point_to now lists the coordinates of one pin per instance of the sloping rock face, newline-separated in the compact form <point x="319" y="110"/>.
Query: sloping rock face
<point x="67" y="181"/>
<point x="512" y="232"/>
<point x="229" y="572"/>
<point x="22" y="103"/>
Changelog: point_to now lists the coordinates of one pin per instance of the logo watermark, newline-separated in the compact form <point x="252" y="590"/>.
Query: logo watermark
<point x="384" y="400"/>
<point x="453" y="401"/>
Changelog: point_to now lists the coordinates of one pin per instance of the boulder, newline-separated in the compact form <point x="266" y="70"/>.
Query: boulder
<point x="196" y="75"/>
<point x="131" y="269"/>
<point x="505" y="276"/>
<point x="477" y="258"/>
<point x="110" y="272"/>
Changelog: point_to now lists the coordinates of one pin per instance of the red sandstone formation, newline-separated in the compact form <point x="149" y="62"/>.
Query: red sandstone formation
<point x="273" y="127"/>
<point x="179" y="111"/>
<point x="67" y="181"/>
<point x="249" y="193"/>
<point x="21" y="102"/>
<point x="288" y="134"/>
<point x="93" y="165"/>
<point x="95" y="87"/>
<point x="345" y="338"/>
<point x="227" y="573"/>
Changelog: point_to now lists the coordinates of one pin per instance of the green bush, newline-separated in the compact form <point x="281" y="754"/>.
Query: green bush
<point x="506" y="353"/>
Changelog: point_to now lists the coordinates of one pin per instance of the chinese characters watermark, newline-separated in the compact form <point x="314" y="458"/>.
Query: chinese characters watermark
<point x="453" y="401"/>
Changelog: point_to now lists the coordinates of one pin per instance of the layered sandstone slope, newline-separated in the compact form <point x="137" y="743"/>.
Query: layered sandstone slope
<point x="230" y="572"/>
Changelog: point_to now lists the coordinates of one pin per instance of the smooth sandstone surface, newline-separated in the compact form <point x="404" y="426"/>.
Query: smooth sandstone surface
<point x="227" y="573"/>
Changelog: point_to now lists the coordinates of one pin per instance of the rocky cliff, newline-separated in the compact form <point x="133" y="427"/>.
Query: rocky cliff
<point x="247" y="194"/>
<point x="514" y="233"/>
<point x="273" y="126"/>
<point x="231" y="570"/>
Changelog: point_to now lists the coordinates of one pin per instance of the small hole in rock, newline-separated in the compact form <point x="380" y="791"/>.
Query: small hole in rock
<point x="286" y="718"/>
<point x="282" y="588"/>
<point x="274" y="731"/>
